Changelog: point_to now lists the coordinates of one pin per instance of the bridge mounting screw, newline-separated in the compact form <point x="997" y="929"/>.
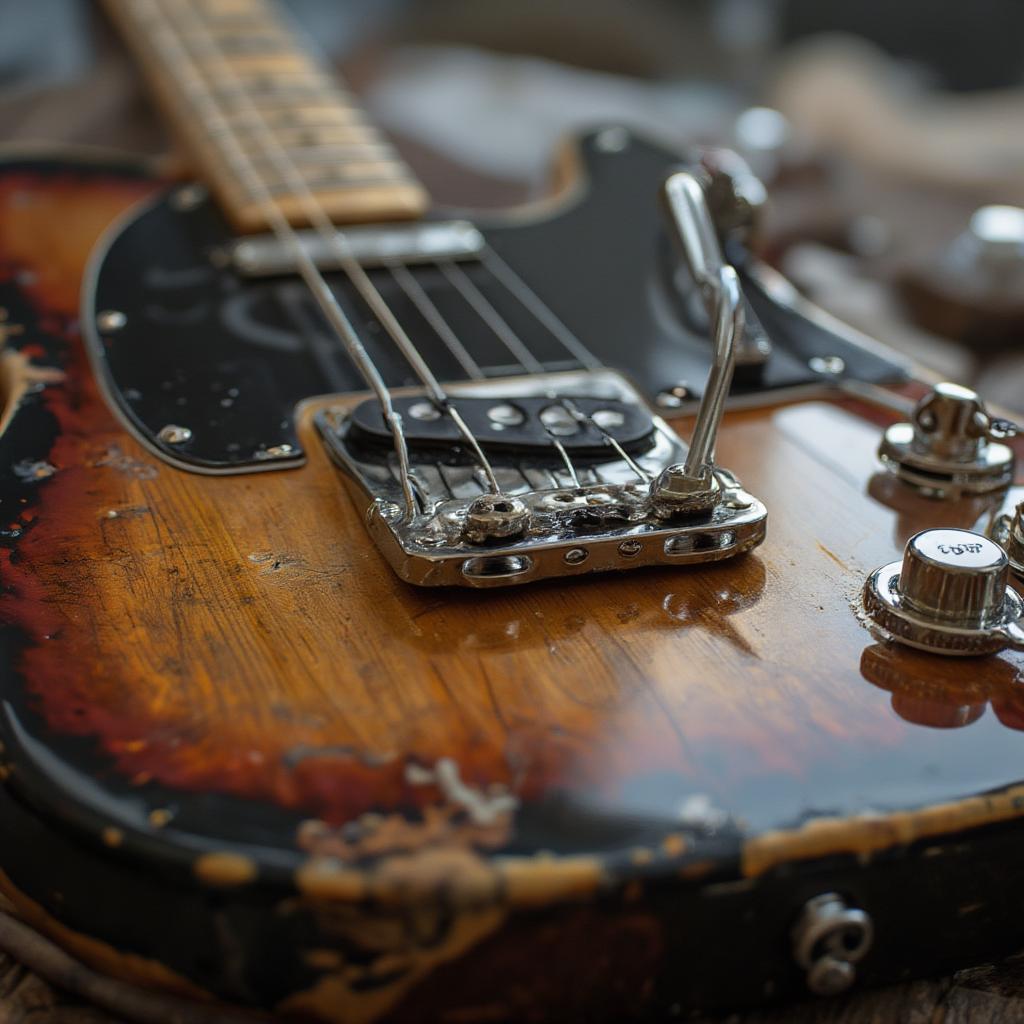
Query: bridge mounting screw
<point x="174" y="434"/>
<point x="111" y="320"/>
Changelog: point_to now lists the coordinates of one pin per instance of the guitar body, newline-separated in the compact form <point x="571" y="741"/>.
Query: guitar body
<point x="243" y="761"/>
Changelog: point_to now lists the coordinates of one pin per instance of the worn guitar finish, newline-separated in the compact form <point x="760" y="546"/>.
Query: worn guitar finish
<point x="243" y="761"/>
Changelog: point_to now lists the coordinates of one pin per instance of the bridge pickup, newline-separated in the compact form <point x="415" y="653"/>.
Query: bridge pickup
<point x="371" y="246"/>
<point x="584" y="426"/>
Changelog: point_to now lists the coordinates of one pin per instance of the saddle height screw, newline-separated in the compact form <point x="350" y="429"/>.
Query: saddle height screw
<point x="495" y="516"/>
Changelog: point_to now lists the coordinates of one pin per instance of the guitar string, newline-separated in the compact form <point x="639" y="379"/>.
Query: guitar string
<point x="499" y="270"/>
<point x="162" y="36"/>
<point x="515" y="285"/>
<point x="358" y="276"/>
<point x="505" y="333"/>
<point x="418" y="296"/>
<point x="317" y="216"/>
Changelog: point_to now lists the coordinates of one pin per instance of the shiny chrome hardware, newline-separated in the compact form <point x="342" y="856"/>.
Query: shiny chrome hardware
<point x="371" y="246"/>
<point x="495" y="517"/>
<point x="950" y="594"/>
<point x="533" y="510"/>
<point x="691" y="485"/>
<point x="993" y="241"/>
<point x="542" y="521"/>
<point x="951" y="446"/>
<point x="1007" y="530"/>
<point x="174" y="434"/>
<point x="829" y="939"/>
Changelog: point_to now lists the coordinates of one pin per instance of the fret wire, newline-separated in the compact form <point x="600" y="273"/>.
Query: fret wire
<point x="325" y="298"/>
<point x="358" y="276"/>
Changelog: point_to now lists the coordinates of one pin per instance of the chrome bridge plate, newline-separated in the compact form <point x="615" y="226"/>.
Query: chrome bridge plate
<point x="596" y="516"/>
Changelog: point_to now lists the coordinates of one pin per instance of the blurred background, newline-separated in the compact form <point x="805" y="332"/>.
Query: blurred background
<point x="889" y="133"/>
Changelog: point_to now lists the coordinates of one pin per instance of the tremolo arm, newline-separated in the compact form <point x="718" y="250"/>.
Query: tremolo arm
<point x="589" y="477"/>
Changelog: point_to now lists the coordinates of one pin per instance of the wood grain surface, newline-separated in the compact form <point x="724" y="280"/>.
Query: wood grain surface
<point x="582" y="686"/>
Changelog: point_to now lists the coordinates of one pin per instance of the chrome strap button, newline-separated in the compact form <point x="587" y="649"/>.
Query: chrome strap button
<point x="950" y="594"/>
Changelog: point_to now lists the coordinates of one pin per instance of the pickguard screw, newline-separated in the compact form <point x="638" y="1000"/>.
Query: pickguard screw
<point x="574" y="556"/>
<point x="188" y="198"/>
<point x="173" y="434"/>
<point x="111" y="320"/>
<point x="630" y="548"/>
<point x="277" y="451"/>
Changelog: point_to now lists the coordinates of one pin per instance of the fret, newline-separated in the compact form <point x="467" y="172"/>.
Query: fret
<point x="268" y="97"/>
<point x="260" y="89"/>
<point x="308" y="114"/>
<point x="331" y="156"/>
<point x="340" y="176"/>
<point x="296" y="138"/>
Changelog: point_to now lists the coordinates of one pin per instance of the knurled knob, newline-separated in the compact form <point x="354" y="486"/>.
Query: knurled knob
<point x="954" y="576"/>
<point x="949" y="594"/>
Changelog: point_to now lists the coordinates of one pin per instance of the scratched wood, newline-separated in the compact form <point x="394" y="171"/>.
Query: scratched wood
<point x="240" y="637"/>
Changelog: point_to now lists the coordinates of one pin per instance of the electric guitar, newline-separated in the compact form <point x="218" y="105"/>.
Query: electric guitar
<point x="415" y="616"/>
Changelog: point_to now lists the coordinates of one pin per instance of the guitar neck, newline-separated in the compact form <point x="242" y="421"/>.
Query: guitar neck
<point x="261" y="119"/>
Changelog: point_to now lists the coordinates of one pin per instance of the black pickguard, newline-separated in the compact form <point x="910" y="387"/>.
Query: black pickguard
<point x="229" y="357"/>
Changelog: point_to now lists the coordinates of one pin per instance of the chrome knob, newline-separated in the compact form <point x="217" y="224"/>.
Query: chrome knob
<point x="949" y="594"/>
<point x="951" y="445"/>
<point x="955" y="576"/>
